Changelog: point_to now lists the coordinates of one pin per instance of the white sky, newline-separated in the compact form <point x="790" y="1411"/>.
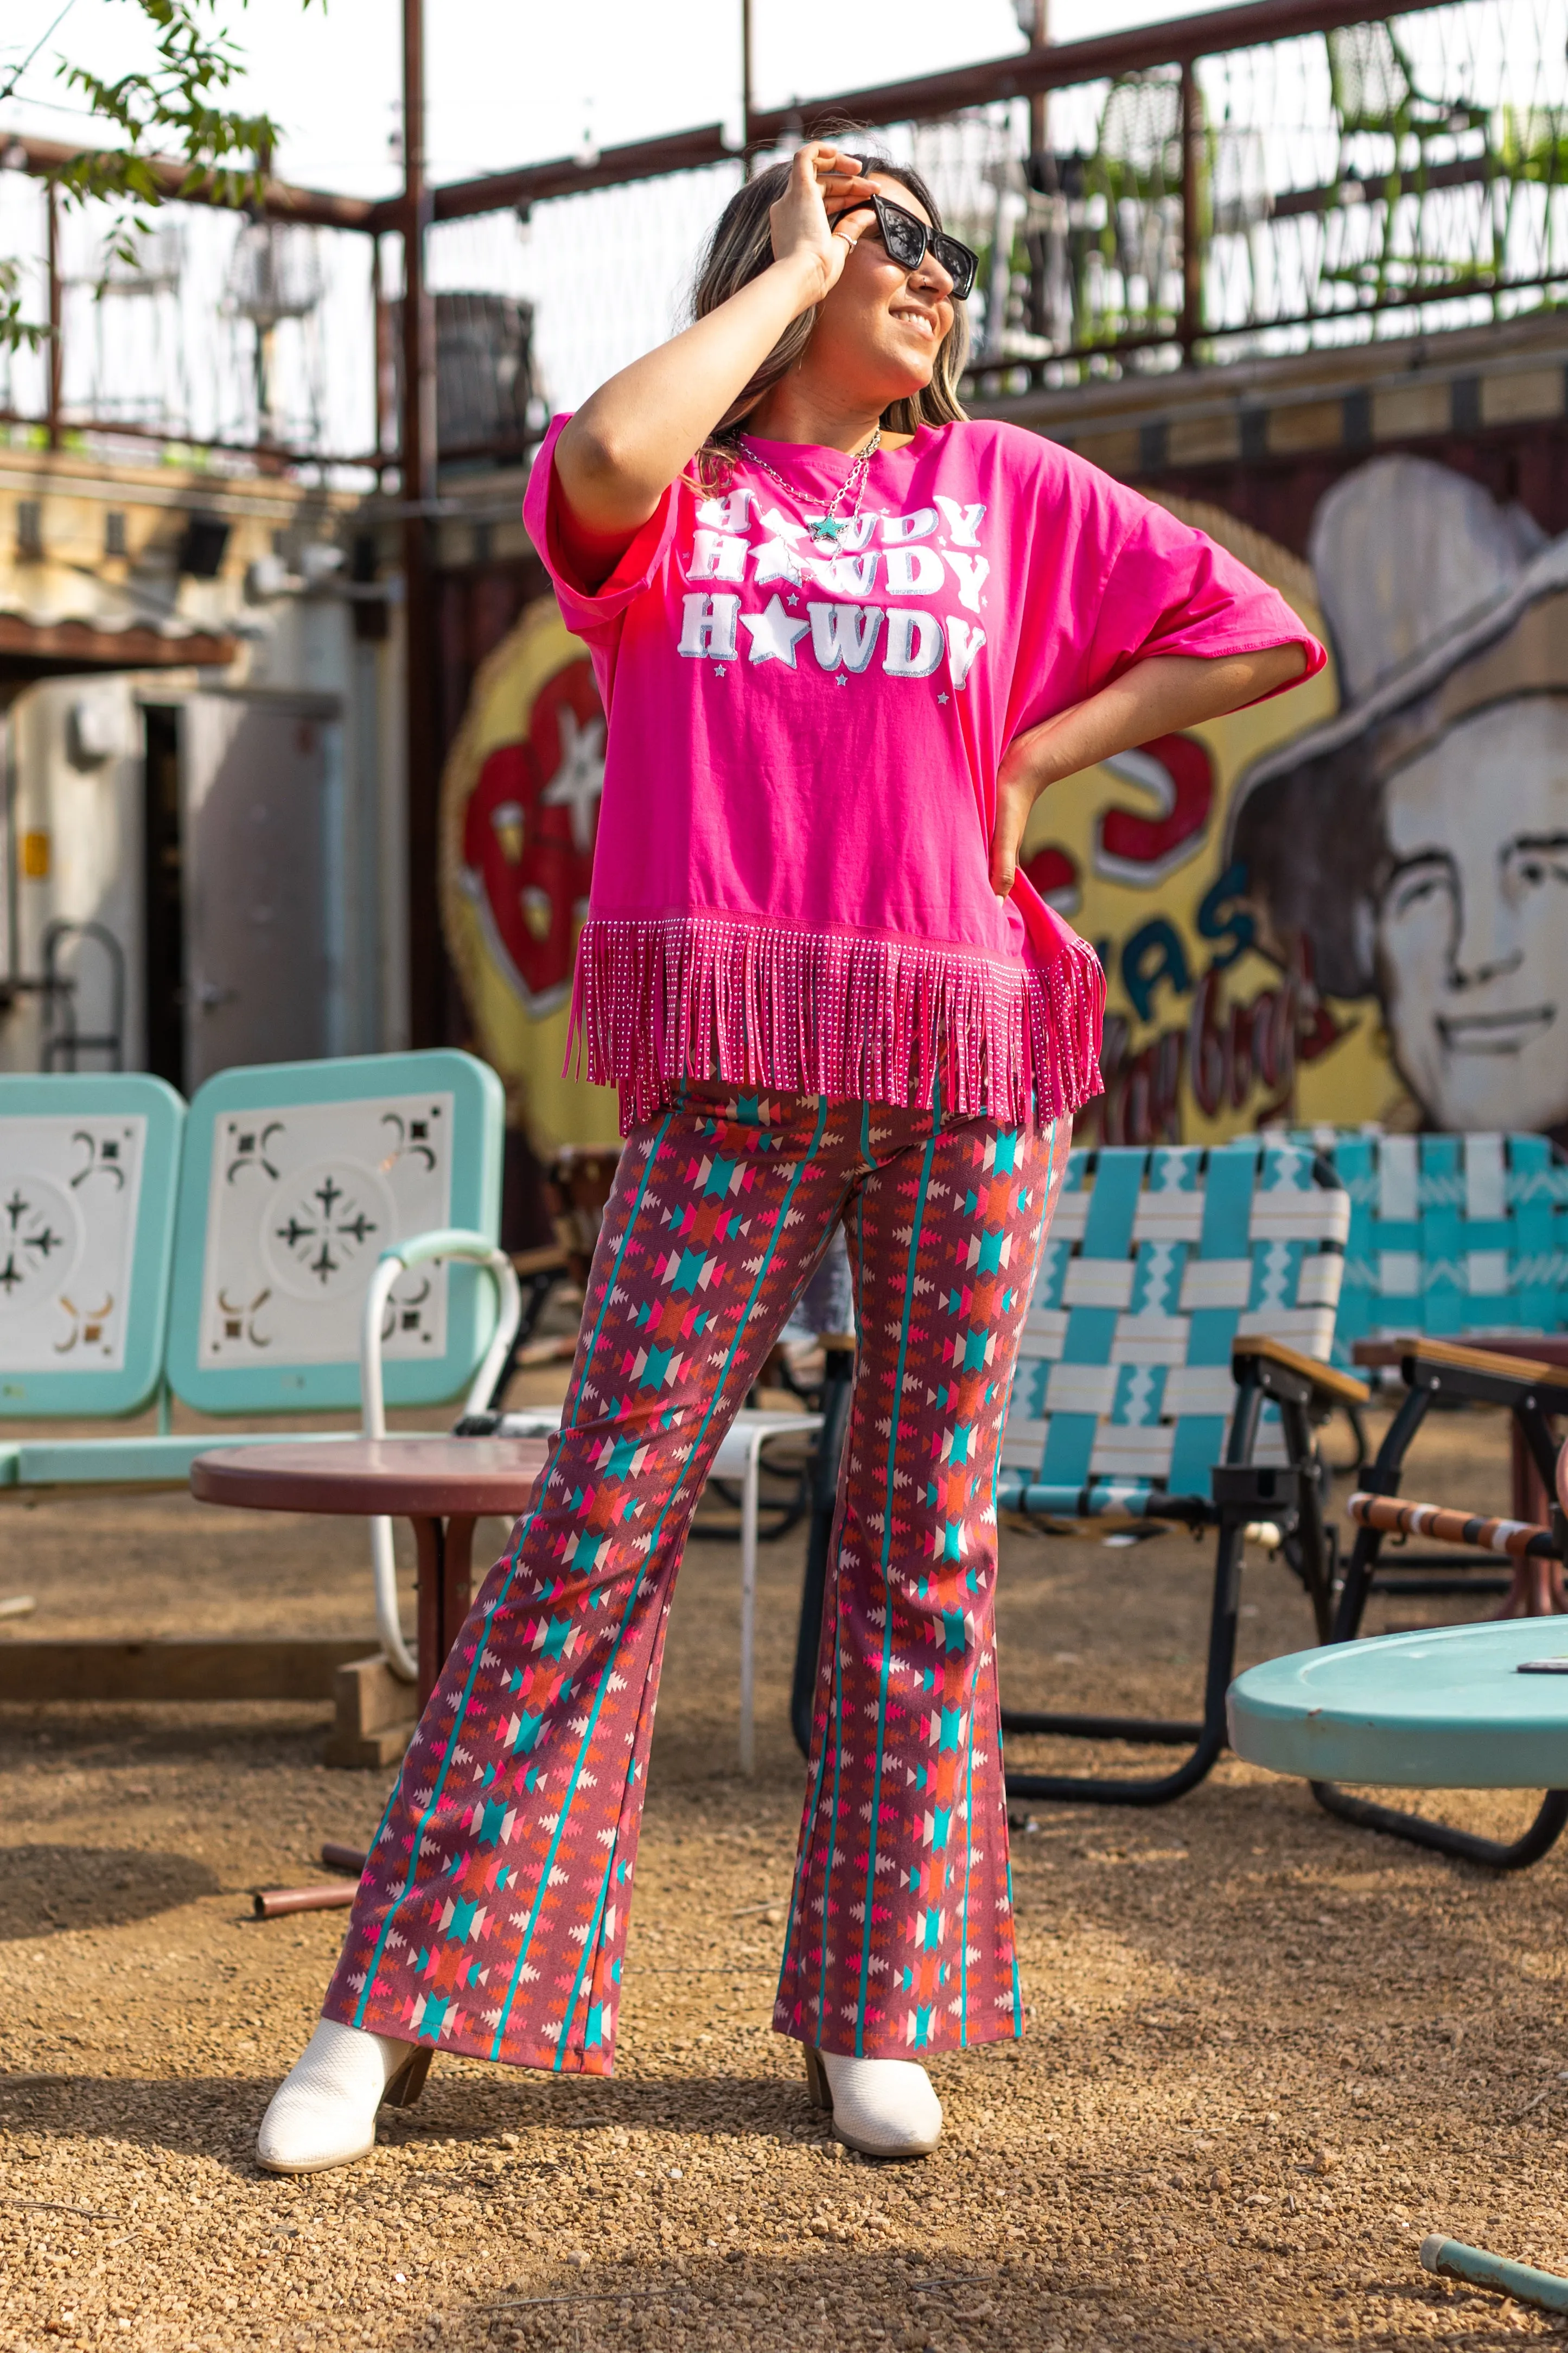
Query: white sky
<point x="512" y="82"/>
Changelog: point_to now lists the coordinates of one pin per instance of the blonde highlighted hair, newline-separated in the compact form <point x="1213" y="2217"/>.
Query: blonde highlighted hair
<point x="742" y="247"/>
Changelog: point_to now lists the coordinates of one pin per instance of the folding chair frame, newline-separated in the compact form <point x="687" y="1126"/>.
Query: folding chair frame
<point x="1244" y="1492"/>
<point x="1434" y="1369"/>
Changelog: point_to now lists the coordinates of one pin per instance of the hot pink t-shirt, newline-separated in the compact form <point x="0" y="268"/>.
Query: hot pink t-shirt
<point x="791" y="882"/>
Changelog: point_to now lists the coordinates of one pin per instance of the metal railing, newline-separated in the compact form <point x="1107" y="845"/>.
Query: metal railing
<point x="1261" y="179"/>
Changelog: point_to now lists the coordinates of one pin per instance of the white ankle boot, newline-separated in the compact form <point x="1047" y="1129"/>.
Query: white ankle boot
<point x="884" y="2107"/>
<point x="324" y="2111"/>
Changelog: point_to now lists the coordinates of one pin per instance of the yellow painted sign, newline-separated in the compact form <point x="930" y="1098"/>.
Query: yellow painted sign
<point x="520" y="808"/>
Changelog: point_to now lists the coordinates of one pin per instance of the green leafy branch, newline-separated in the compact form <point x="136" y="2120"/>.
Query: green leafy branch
<point x="170" y="111"/>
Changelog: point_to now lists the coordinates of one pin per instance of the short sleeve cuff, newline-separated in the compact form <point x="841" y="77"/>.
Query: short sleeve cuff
<point x="584" y="607"/>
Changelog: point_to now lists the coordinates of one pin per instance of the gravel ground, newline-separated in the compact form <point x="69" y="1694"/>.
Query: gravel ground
<point x="1266" y="2053"/>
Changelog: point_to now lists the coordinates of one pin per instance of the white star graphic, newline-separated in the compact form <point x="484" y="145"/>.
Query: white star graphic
<point x="774" y="635"/>
<point x="580" y="778"/>
<point x="779" y="526"/>
<point x="776" y="560"/>
<point x="718" y="670"/>
<point x="942" y="698"/>
<point x="840" y="679"/>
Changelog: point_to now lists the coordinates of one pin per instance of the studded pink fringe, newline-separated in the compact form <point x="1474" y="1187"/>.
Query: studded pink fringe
<point x="658" y="999"/>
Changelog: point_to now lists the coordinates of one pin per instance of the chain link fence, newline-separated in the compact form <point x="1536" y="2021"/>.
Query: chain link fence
<point x="1406" y="173"/>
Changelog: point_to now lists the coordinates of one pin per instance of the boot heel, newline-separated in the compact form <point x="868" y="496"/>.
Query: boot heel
<point x="816" y="2085"/>
<point x="409" y="2080"/>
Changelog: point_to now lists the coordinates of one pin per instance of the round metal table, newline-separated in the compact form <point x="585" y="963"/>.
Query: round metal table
<point x="441" y="1485"/>
<point x="1456" y="1707"/>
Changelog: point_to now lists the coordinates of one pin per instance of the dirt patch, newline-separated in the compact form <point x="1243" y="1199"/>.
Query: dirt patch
<point x="1266" y="2053"/>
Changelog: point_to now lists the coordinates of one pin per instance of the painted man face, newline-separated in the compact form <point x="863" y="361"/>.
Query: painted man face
<point x="1472" y="928"/>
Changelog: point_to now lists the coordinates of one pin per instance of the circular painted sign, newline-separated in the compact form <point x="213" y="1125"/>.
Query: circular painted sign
<point x="519" y="811"/>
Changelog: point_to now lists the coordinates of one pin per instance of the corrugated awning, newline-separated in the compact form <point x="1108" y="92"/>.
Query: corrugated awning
<point x="30" y="650"/>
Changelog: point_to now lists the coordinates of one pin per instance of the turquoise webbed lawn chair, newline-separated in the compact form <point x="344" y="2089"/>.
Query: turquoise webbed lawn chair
<point x="1171" y="1370"/>
<point x="1451" y="1237"/>
<point x="243" y="1242"/>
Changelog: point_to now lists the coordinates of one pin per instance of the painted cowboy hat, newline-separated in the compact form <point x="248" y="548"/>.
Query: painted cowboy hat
<point x="1439" y="603"/>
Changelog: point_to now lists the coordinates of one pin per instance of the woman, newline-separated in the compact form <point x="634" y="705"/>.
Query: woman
<point x="845" y="638"/>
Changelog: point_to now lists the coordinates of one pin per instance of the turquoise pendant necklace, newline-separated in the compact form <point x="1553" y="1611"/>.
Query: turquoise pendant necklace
<point x="826" y="529"/>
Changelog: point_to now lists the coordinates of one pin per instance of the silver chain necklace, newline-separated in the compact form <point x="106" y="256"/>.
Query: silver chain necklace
<point x="826" y="529"/>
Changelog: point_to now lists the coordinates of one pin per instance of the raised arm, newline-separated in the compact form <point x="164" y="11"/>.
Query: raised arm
<point x="1158" y="697"/>
<point x="626" y="444"/>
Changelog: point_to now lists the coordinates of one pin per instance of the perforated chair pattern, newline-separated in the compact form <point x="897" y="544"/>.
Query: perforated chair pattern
<point x="1451" y="1237"/>
<point x="1157" y="1262"/>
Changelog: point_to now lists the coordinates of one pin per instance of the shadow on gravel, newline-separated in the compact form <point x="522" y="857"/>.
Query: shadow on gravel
<point x="837" y="2295"/>
<point x="217" y="2116"/>
<point x="47" y="1889"/>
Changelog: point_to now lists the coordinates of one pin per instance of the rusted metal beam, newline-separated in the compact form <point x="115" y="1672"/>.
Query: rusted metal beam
<point x="276" y="453"/>
<point x="1468" y="172"/>
<point x="56" y="350"/>
<point x="1192" y="209"/>
<point x="1025" y="74"/>
<point x="531" y="183"/>
<point x="1060" y="67"/>
<point x="417" y="462"/>
<point x="280" y="201"/>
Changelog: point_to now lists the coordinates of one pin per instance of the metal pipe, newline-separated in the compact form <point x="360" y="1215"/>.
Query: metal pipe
<point x="338" y="1857"/>
<point x="746" y="165"/>
<point x="448" y="1243"/>
<point x="275" y="1903"/>
<point x="1191" y="204"/>
<point x="52" y="217"/>
<point x="280" y="199"/>
<point x="272" y="451"/>
<point x="1473" y="2264"/>
<point x="417" y="460"/>
<point x="923" y="99"/>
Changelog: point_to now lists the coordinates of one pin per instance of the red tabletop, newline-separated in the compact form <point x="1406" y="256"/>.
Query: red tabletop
<point x="404" y="1478"/>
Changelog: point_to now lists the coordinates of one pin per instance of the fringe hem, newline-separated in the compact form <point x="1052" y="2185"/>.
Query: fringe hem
<point x="658" y="999"/>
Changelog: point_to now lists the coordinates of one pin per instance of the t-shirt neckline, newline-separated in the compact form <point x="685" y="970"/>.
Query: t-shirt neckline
<point x="817" y="456"/>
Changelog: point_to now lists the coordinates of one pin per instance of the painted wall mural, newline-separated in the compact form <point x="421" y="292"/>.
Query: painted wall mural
<point x="1350" y="903"/>
<point x="519" y="811"/>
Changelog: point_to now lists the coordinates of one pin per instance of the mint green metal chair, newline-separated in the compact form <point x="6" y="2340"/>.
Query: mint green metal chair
<point x="293" y="1178"/>
<point x="88" y="1170"/>
<point x="225" y="1256"/>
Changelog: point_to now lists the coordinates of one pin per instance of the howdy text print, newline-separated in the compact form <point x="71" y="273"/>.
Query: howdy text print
<point x="821" y="600"/>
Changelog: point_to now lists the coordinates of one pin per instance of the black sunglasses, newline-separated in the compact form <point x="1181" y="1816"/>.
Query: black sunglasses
<point x="908" y="239"/>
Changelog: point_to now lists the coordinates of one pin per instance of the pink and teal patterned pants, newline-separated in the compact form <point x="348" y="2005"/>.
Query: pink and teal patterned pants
<point x="492" y="1915"/>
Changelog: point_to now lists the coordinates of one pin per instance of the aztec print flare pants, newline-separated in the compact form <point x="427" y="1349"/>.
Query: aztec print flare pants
<point x="492" y="1915"/>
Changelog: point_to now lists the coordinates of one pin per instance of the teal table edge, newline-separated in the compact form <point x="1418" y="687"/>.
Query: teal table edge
<point x="1443" y="1709"/>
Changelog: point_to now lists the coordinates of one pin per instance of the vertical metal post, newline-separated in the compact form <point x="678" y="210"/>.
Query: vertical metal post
<point x="1191" y="204"/>
<point x="57" y="356"/>
<point x="1040" y="104"/>
<point x="416" y="447"/>
<point x="746" y="87"/>
<point x="1036" y="244"/>
<point x="384" y="367"/>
